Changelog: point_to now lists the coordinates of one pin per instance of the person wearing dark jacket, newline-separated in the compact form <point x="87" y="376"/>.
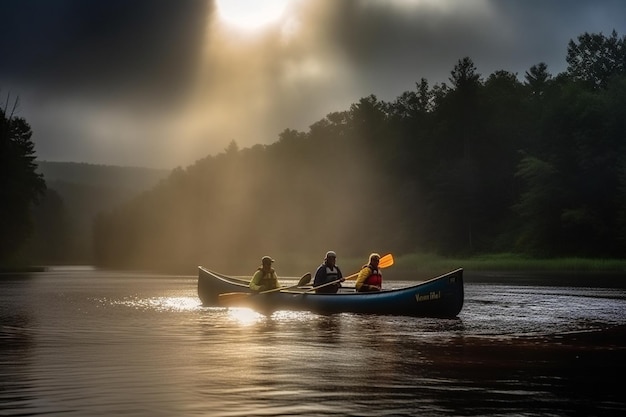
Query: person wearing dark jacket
<point x="328" y="271"/>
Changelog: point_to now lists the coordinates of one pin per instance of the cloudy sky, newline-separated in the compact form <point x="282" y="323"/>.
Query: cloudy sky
<point x="163" y="83"/>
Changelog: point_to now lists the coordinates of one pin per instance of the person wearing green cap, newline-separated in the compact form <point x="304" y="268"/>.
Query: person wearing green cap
<point x="264" y="277"/>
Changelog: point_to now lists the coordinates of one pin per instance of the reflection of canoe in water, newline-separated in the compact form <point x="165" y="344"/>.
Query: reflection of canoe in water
<point x="439" y="297"/>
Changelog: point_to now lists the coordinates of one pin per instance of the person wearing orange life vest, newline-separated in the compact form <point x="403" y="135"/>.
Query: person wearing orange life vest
<point x="370" y="278"/>
<point x="264" y="277"/>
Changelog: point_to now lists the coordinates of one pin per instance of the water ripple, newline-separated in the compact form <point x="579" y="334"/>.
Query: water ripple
<point x="138" y="345"/>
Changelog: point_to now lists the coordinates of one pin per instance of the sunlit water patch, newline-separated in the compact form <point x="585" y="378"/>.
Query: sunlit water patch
<point x="244" y="316"/>
<point x="162" y="304"/>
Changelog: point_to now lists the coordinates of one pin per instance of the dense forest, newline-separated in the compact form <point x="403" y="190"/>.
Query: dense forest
<point x="532" y="164"/>
<point x="482" y="164"/>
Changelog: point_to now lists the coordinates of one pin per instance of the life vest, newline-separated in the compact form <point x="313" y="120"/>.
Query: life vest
<point x="267" y="278"/>
<point x="332" y="274"/>
<point x="375" y="278"/>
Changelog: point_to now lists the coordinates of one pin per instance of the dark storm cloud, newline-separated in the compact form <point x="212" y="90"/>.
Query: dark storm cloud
<point x="102" y="48"/>
<point x="543" y="28"/>
<point x="399" y="40"/>
<point x="103" y="81"/>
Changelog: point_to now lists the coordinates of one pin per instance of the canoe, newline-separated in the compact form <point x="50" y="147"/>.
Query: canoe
<point x="438" y="297"/>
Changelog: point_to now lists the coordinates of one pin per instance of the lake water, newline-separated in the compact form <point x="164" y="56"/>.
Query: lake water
<point x="80" y="342"/>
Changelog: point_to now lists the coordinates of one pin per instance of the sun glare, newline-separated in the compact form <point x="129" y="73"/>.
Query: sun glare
<point x="250" y="14"/>
<point x="245" y="316"/>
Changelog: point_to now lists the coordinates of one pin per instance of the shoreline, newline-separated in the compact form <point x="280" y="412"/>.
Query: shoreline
<point x="402" y="271"/>
<point x="22" y="269"/>
<point x="601" y="279"/>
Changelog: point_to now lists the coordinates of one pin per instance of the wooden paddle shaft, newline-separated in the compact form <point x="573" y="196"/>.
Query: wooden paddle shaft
<point x="306" y="278"/>
<point x="322" y="286"/>
<point x="225" y="298"/>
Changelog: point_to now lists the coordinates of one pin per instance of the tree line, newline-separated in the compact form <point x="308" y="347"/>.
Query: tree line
<point x="475" y="165"/>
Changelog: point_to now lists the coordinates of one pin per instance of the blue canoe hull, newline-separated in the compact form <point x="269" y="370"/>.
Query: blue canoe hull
<point x="439" y="297"/>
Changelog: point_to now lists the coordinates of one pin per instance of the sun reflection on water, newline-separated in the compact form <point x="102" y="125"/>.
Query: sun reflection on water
<point x="245" y="316"/>
<point x="291" y="316"/>
<point x="161" y="303"/>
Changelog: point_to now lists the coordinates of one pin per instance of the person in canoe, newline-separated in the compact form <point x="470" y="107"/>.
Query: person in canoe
<point x="328" y="271"/>
<point x="370" y="278"/>
<point x="264" y="277"/>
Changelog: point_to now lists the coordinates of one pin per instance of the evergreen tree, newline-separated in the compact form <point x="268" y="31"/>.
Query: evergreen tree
<point x="595" y="58"/>
<point x="20" y="184"/>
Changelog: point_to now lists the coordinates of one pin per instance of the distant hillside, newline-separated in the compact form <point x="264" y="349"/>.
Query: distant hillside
<point x="132" y="178"/>
<point x="87" y="190"/>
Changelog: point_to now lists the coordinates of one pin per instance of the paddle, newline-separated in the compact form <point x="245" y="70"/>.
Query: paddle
<point x="234" y="297"/>
<point x="384" y="262"/>
<point x="322" y="286"/>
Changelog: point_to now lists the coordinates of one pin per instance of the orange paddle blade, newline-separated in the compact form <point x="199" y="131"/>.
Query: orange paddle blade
<point x="384" y="262"/>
